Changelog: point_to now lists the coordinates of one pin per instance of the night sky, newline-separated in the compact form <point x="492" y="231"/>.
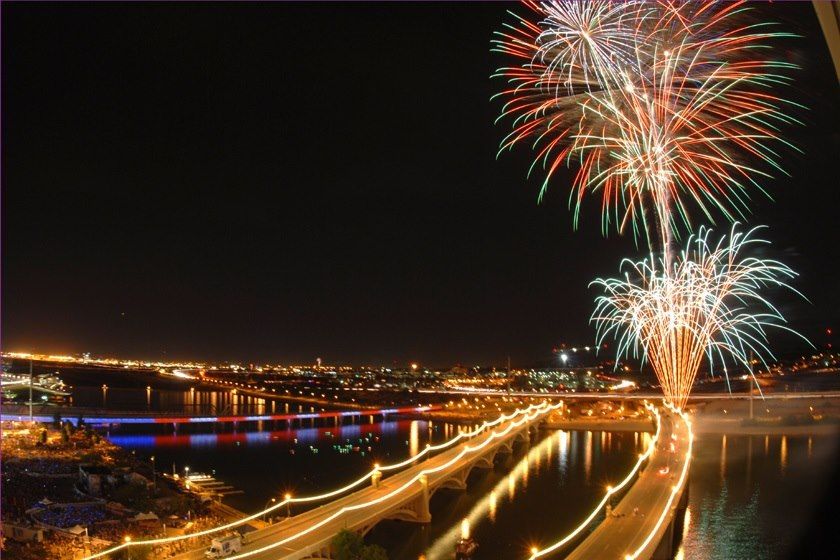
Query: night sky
<point x="280" y="182"/>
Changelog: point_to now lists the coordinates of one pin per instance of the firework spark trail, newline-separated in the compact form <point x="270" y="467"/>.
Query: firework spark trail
<point x="703" y="307"/>
<point x="657" y="101"/>
<point x="670" y="142"/>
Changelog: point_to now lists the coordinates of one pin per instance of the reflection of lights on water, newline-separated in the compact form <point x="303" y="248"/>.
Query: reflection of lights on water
<point x="783" y="454"/>
<point x="525" y="470"/>
<point x="487" y="505"/>
<point x="723" y="457"/>
<point x="766" y="445"/>
<point x="414" y="438"/>
<point x="562" y="451"/>
<point x="492" y="506"/>
<point x="810" y="444"/>
<point x="587" y="456"/>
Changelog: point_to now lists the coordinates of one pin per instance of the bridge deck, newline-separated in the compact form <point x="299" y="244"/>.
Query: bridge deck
<point x="637" y="514"/>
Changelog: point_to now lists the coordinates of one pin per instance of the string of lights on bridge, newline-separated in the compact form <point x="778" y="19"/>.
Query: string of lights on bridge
<point x="288" y="499"/>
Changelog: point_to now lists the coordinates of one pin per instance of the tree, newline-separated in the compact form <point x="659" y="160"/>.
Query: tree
<point x="373" y="552"/>
<point x="347" y="545"/>
<point x="350" y="546"/>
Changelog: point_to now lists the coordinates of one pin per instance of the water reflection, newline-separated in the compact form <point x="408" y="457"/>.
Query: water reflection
<point x="563" y="451"/>
<point x="587" y="456"/>
<point x="414" y="439"/>
<point x="492" y="506"/>
<point x="487" y="505"/>
<point x="783" y="455"/>
<point x="739" y="504"/>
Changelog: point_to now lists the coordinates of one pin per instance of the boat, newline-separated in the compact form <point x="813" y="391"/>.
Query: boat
<point x="466" y="546"/>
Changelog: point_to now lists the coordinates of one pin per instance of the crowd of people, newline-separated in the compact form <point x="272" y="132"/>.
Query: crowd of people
<point x="70" y="515"/>
<point x="22" y="489"/>
<point x="40" y="469"/>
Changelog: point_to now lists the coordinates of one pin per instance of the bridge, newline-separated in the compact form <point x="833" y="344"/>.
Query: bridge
<point x="404" y="496"/>
<point x="21" y="413"/>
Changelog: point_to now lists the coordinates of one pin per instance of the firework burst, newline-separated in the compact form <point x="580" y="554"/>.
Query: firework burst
<point x="658" y="102"/>
<point x="710" y="305"/>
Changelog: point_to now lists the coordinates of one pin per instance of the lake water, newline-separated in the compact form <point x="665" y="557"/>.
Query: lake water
<point x="757" y="497"/>
<point x="749" y="496"/>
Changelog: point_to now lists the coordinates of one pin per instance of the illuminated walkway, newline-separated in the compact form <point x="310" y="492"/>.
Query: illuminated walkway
<point x="403" y="496"/>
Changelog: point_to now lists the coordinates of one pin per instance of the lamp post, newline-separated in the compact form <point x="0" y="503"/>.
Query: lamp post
<point x="127" y="541"/>
<point x="154" y="477"/>
<point x="30" y="391"/>
<point x="271" y="501"/>
<point x="288" y="498"/>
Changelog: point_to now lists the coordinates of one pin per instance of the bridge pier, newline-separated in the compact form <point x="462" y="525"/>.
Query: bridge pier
<point x="423" y="513"/>
<point x="665" y="550"/>
<point x="673" y="535"/>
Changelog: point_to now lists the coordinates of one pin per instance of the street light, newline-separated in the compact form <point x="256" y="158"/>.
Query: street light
<point x="271" y="501"/>
<point x="288" y="498"/>
<point x="154" y="475"/>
